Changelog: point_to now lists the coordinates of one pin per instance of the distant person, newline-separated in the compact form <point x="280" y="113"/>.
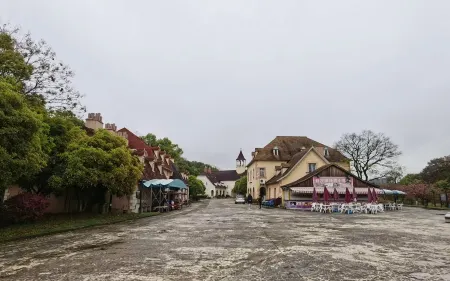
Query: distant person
<point x="249" y="201"/>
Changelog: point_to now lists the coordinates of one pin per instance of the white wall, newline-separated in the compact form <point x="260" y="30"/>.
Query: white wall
<point x="210" y="186"/>
<point x="230" y="186"/>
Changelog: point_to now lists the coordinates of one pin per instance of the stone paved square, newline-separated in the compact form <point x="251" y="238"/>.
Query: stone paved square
<point x="218" y="240"/>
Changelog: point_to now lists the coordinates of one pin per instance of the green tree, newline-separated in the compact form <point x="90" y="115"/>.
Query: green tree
<point x="64" y="128"/>
<point x="165" y="144"/>
<point x="436" y="170"/>
<point x="410" y="179"/>
<point x="444" y="186"/>
<point x="196" y="187"/>
<point x="13" y="67"/>
<point x="50" y="78"/>
<point x="96" y="165"/>
<point x="23" y="142"/>
<point x="150" y="139"/>
<point x="240" y="186"/>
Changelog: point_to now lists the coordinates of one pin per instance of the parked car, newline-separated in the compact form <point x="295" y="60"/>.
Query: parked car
<point x="239" y="199"/>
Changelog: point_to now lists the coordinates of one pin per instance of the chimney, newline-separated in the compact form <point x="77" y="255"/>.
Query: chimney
<point x="209" y="170"/>
<point x="111" y="127"/>
<point x="205" y="170"/>
<point x="94" y="121"/>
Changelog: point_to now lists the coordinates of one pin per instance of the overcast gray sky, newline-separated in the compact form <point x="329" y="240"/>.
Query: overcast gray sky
<point x="217" y="76"/>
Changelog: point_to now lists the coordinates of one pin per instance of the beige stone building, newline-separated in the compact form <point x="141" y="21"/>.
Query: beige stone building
<point x="286" y="159"/>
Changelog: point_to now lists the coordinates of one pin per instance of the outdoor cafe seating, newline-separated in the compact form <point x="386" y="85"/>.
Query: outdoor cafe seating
<point x="351" y="206"/>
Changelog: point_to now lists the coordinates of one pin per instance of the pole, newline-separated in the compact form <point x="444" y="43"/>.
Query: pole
<point x="151" y="200"/>
<point x="140" y="200"/>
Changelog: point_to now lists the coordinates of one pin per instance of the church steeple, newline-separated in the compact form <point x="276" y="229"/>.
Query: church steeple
<point x="240" y="163"/>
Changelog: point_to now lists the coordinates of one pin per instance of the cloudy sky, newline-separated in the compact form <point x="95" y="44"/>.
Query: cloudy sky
<point x="217" y="76"/>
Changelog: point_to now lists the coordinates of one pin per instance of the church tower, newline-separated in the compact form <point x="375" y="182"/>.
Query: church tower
<point x="241" y="163"/>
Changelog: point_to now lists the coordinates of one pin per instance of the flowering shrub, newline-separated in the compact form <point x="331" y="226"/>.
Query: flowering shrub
<point x="24" y="207"/>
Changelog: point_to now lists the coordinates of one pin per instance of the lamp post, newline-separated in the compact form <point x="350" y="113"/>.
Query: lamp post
<point x="140" y="196"/>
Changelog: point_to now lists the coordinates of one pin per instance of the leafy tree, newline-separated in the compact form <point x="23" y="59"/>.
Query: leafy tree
<point x="196" y="187"/>
<point x="444" y="186"/>
<point x="51" y="79"/>
<point x="240" y="186"/>
<point x="64" y="128"/>
<point x="436" y="170"/>
<point x="12" y="65"/>
<point x="165" y="144"/>
<point x="193" y="167"/>
<point x="96" y="165"/>
<point x="150" y="139"/>
<point x="372" y="155"/>
<point x="23" y="142"/>
<point x="410" y="179"/>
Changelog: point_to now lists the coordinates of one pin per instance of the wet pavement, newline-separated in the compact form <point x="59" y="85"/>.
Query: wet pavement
<point x="218" y="240"/>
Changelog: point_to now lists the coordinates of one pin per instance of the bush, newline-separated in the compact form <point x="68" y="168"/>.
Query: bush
<point x="24" y="207"/>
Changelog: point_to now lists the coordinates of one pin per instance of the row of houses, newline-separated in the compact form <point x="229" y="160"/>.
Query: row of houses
<point x="157" y="163"/>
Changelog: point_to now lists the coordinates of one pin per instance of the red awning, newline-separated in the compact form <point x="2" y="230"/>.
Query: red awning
<point x="340" y="190"/>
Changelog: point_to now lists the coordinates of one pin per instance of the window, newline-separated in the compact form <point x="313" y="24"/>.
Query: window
<point x="262" y="173"/>
<point x="276" y="152"/>
<point x="274" y="192"/>
<point x="311" y="167"/>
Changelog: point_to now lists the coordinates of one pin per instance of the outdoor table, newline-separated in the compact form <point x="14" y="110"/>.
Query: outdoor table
<point x="327" y="208"/>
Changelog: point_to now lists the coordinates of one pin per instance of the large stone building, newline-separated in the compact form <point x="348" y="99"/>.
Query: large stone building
<point x="221" y="183"/>
<point x="286" y="159"/>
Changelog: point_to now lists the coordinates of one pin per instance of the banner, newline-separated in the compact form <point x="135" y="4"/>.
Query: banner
<point x="332" y="182"/>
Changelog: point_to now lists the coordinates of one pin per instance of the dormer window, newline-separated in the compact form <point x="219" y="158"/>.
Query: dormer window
<point x="276" y="151"/>
<point x="326" y="153"/>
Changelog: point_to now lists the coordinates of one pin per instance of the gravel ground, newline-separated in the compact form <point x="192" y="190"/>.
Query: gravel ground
<point x="218" y="240"/>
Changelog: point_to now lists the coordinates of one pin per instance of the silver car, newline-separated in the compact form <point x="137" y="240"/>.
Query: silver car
<point x="239" y="199"/>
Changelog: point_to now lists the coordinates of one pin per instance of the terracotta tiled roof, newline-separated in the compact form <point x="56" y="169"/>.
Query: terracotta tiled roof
<point x="136" y="142"/>
<point x="323" y="168"/>
<point x="288" y="146"/>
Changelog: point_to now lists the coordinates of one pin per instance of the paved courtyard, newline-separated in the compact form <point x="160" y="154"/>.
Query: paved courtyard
<point x="218" y="240"/>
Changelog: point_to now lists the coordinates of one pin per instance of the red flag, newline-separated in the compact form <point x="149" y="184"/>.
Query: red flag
<point x="375" y="196"/>
<point x="347" y="196"/>
<point x="335" y="195"/>
<point x="369" y="195"/>
<point x="314" y="195"/>
<point x="326" y="195"/>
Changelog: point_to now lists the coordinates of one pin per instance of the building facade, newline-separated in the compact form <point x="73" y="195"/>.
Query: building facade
<point x="286" y="159"/>
<point x="221" y="183"/>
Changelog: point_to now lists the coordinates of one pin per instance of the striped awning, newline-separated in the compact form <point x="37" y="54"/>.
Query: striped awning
<point x="340" y="190"/>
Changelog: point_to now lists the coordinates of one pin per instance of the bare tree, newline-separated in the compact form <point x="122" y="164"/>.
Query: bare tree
<point x="373" y="155"/>
<point x="51" y="79"/>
